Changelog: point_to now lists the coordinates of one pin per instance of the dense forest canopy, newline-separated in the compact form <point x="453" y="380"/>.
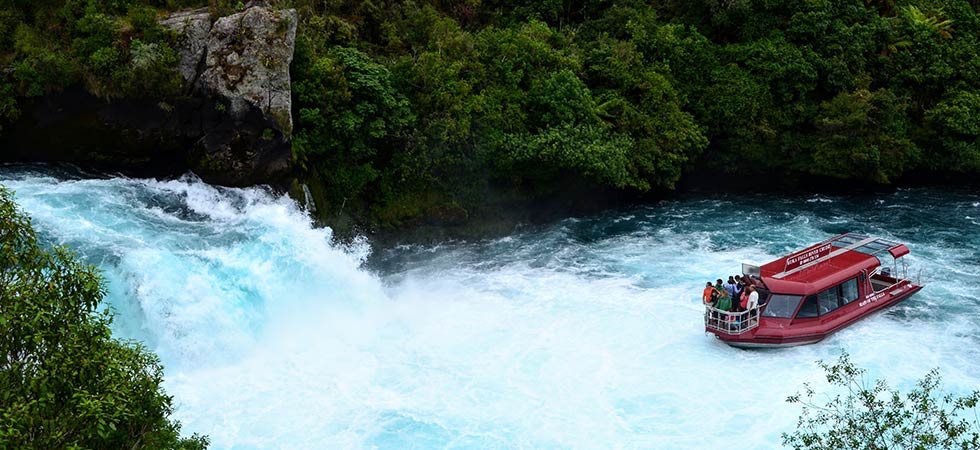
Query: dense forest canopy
<point x="432" y="108"/>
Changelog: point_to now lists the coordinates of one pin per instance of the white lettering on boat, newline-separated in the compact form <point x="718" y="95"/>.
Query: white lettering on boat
<point x="871" y="298"/>
<point x="799" y="259"/>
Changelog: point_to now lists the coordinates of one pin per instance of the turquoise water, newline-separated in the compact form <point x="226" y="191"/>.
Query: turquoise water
<point x="583" y="334"/>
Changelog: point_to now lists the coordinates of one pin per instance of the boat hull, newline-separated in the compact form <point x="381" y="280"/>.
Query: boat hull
<point x="786" y="336"/>
<point x="759" y="344"/>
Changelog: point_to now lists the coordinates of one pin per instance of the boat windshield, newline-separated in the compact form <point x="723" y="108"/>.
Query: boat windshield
<point x="782" y="306"/>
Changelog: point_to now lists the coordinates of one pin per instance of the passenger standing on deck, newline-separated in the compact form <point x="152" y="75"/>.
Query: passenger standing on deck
<point x="753" y="300"/>
<point x="709" y="295"/>
<point x="736" y="299"/>
<point x="732" y="289"/>
<point x="724" y="302"/>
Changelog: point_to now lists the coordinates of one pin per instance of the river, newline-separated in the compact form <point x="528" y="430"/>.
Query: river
<point x="586" y="333"/>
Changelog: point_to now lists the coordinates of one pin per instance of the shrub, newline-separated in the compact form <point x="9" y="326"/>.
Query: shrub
<point x="874" y="417"/>
<point x="65" y="382"/>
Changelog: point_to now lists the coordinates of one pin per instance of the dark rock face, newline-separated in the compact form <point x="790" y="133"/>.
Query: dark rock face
<point x="231" y="126"/>
<point x="240" y="148"/>
<point x="137" y="137"/>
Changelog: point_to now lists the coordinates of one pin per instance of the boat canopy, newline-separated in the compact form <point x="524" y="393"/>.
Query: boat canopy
<point x="898" y="252"/>
<point x="828" y="263"/>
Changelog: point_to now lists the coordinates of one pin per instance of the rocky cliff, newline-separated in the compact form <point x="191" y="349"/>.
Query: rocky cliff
<point x="241" y="64"/>
<point x="231" y="124"/>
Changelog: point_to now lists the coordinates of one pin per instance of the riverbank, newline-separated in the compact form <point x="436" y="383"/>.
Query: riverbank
<point x="430" y="115"/>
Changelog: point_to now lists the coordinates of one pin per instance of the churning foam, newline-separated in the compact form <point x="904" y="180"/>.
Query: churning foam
<point x="586" y="334"/>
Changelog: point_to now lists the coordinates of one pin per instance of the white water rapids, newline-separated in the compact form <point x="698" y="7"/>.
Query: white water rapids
<point x="584" y="334"/>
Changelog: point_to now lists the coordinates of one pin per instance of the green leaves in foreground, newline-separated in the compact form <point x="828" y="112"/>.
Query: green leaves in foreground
<point x="867" y="416"/>
<point x="64" y="381"/>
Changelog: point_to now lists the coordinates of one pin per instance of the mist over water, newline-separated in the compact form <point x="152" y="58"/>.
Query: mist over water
<point x="583" y="334"/>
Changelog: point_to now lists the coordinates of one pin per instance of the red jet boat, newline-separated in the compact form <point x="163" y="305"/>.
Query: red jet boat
<point x="806" y="296"/>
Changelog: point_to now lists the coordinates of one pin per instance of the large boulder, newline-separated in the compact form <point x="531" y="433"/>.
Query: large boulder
<point x="240" y="65"/>
<point x="247" y="63"/>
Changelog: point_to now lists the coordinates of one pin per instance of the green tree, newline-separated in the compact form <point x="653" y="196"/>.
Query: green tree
<point x="956" y="122"/>
<point x="871" y="416"/>
<point x="349" y="114"/>
<point x="861" y="134"/>
<point x="643" y="82"/>
<point x="567" y="136"/>
<point x="65" y="382"/>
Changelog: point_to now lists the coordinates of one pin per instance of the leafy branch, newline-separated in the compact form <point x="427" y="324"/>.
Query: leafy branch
<point x="867" y="415"/>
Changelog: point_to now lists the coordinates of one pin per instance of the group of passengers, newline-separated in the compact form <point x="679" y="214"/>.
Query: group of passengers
<point x="738" y="294"/>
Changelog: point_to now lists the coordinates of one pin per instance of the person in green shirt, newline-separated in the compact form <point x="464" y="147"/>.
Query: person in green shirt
<point x="724" y="301"/>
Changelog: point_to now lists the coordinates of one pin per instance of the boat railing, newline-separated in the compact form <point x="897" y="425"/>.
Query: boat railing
<point x="884" y="278"/>
<point x="730" y="322"/>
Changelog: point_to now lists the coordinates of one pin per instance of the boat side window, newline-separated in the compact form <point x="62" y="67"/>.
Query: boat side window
<point x="781" y="306"/>
<point x="809" y="308"/>
<point x="828" y="300"/>
<point x="849" y="291"/>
